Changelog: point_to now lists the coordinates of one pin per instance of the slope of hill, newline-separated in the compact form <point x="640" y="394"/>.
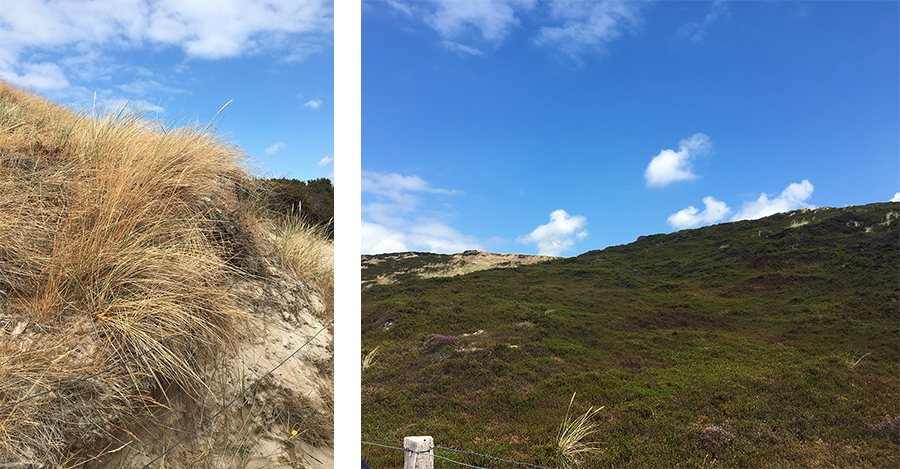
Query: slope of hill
<point x="389" y="268"/>
<point x="770" y="342"/>
<point x="139" y="294"/>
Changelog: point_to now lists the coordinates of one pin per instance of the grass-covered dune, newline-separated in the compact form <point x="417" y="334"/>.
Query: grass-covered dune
<point x="763" y="343"/>
<point x="131" y="241"/>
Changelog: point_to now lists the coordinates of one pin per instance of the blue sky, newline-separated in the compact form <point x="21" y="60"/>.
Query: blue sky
<point x="558" y="128"/>
<point x="182" y="60"/>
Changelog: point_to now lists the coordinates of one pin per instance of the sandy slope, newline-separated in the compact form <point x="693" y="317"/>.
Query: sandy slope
<point x="258" y="430"/>
<point x="459" y="264"/>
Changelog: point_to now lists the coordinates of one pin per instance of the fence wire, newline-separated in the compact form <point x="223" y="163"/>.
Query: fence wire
<point x="490" y="457"/>
<point x="291" y="288"/>
<point x="125" y="362"/>
<point x="407" y="450"/>
<point x="240" y="395"/>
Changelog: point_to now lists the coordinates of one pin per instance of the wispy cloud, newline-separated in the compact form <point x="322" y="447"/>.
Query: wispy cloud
<point x="133" y="105"/>
<point x="392" y="222"/>
<point x="587" y="27"/>
<point x="276" y="147"/>
<point x="696" y="31"/>
<point x="559" y="235"/>
<point x="791" y="198"/>
<point x="691" y="217"/>
<point x="455" y="46"/>
<point x="325" y="161"/>
<point x="491" y="20"/>
<point x="396" y="186"/>
<point x="145" y="85"/>
<point x="575" y="28"/>
<point x="401" y="7"/>
<point x="313" y="104"/>
<point x="670" y="166"/>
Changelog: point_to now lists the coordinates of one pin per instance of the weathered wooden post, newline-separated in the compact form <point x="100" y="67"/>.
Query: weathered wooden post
<point x="419" y="452"/>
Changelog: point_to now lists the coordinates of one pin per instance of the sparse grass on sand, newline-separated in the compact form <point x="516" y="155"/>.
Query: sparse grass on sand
<point x="120" y="239"/>
<point x="304" y="249"/>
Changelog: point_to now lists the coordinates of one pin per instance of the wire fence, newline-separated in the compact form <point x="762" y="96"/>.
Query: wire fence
<point x="125" y="362"/>
<point x="439" y="447"/>
<point x="247" y="389"/>
<point x="240" y="395"/>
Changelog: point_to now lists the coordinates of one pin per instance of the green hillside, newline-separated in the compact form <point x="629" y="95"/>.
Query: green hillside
<point x="762" y="343"/>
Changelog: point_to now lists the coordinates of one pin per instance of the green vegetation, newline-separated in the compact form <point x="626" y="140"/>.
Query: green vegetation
<point x="313" y="199"/>
<point x="770" y="342"/>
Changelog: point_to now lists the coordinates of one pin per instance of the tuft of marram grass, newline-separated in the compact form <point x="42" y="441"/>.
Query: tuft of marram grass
<point x="106" y="252"/>
<point x="571" y="446"/>
<point x="304" y="249"/>
<point x="369" y="359"/>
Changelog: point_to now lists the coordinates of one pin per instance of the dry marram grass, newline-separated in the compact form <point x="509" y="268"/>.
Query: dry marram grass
<point x="120" y="238"/>
<point x="369" y="359"/>
<point x="570" y="440"/>
<point x="304" y="249"/>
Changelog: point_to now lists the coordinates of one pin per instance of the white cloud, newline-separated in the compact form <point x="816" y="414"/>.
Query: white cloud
<point x="377" y="239"/>
<point x="492" y="20"/>
<point x="697" y="31"/>
<point x="391" y="224"/>
<point x="670" y="165"/>
<point x="421" y="235"/>
<point x="395" y="186"/>
<point x="588" y="26"/>
<point x="557" y="236"/>
<point x="392" y="213"/>
<point x="201" y="29"/>
<point x="400" y="6"/>
<point x="691" y="217"/>
<point x="325" y="161"/>
<point x="313" y="104"/>
<point x="146" y="85"/>
<point x="133" y="105"/>
<point x="576" y="27"/>
<point x="42" y="76"/>
<point x="436" y="236"/>
<point x="896" y="198"/>
<point x="276" y="147"/>
<point x="792" y="198"/>
<point x="455" y="46"/>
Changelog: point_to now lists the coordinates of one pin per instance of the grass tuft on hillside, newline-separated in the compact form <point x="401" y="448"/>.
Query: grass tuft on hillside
<point x="762" y="343"/>
<point x="121" y="239"/>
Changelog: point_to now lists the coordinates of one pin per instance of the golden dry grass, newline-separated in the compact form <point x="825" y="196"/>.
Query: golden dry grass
<point x="571" y="446"/>
<point x="305" y="250"/>
<point x="369" y="359"/>
<point x="118" y="236"/>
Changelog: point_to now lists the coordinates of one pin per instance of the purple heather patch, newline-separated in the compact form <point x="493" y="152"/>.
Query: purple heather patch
<point x="443" y="339"/>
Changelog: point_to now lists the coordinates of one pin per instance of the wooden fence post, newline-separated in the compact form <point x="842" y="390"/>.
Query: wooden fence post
<point x="419" y="452"/>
